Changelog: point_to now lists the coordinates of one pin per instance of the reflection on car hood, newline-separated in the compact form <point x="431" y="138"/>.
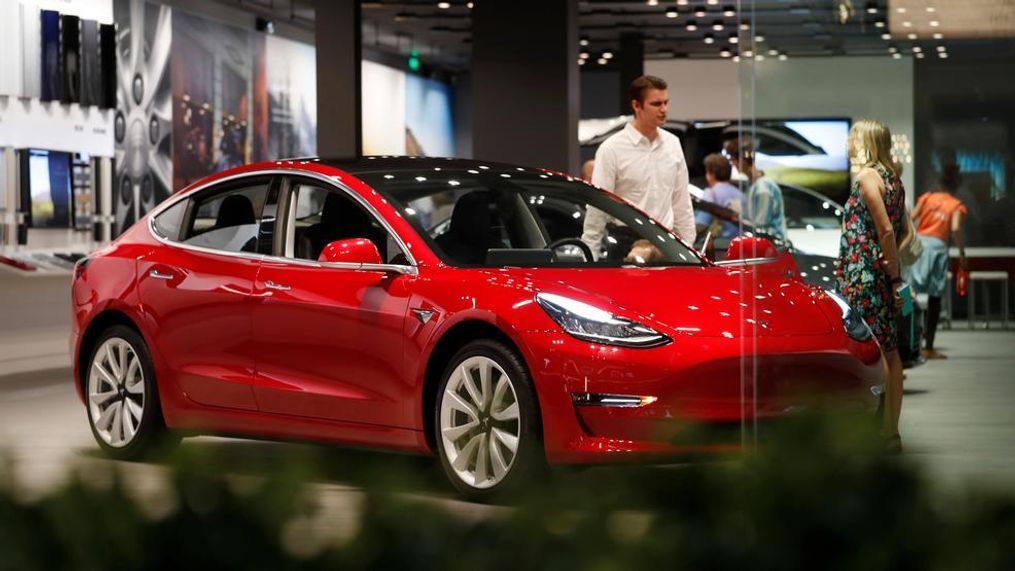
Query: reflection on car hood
<point x="710" y="301"/>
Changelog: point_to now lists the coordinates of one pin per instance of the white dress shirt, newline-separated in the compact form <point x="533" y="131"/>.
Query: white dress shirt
<point x="650" y="174"/>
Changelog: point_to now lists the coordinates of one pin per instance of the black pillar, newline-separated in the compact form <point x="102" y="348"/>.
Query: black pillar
<point x="632" y="66"/>
<point x="525" y="88"/>
<point x="339" y="78"/>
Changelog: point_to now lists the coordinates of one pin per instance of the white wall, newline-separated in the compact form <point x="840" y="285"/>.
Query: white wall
<point x="699" y="89"/>
<point x="854" y="87"/>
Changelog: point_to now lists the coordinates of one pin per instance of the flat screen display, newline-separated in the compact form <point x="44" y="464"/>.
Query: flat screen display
<point x="46" y="190"/>
<point x="805" y="152"/>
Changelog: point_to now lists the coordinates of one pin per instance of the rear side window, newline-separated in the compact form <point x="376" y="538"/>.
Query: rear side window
<point x="168" y="223"/>
<point x="231" y="220"/>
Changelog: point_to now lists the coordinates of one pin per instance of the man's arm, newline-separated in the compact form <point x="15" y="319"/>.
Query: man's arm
<point x="958" y="217"/>
<point x="604" y="175"/>
<point x="683" y="212"/>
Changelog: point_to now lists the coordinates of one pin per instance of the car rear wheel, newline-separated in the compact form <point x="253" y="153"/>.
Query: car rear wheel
<point x="487" y="423"/>
<point x="122" y="397"/>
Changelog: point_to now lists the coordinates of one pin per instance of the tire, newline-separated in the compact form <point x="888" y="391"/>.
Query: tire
<point x="120" y="377"/>
<point x="487" y="425"/>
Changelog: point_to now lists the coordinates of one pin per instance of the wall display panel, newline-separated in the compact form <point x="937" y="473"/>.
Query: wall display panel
<point x="83" y="192"/>
<point x="91" y="72"/>
<point x="11" y="73"/>
<point x="70" y="55"/>
<point x="383" y="110"/>
<point x="46" y="188"/>
<point x="430" y="129"/>
<point x="290" y="99"/>
<point x="31" y="51"/>
<point x="52" y="64"/>
<point x="107" y="66"/>
<point x="212" y="83"/>
<point x="143" y="119"/>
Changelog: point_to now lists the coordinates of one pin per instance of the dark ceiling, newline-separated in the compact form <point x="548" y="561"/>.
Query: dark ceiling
<point x="670" y="28"/>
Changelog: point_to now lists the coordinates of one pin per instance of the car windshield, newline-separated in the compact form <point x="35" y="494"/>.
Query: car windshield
<point x="510" y="216"/>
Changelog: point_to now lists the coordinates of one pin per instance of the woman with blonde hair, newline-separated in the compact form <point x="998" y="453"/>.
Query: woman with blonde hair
<point x="869" y="274"/>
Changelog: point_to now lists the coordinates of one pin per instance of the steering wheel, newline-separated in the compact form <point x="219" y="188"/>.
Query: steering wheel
<point x="586" y="251"/>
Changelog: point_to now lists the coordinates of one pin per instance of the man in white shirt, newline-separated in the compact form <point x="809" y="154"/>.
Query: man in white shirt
<point x="645" y="165"/>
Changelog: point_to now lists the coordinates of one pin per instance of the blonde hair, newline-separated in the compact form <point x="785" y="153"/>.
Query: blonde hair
<point x="870" y="144"/>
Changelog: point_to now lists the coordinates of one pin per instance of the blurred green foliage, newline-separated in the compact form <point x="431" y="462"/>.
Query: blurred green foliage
<point x="817" y="493"/>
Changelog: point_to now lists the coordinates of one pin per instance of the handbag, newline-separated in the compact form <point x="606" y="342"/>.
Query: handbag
<point x="910" y="247"/>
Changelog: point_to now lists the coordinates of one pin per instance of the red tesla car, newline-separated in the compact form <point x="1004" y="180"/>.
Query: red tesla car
<point x="421" y="305"/>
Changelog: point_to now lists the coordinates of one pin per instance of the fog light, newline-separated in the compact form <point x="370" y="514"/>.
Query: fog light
<point x="602" y="399"/>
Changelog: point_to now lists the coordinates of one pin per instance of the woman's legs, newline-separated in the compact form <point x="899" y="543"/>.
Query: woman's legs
<point x="893" y="393"/>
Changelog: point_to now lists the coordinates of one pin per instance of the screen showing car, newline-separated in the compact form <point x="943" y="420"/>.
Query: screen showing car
<point x="48" y="188"/>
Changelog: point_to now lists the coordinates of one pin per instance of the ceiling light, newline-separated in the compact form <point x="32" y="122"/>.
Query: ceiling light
<point x="734" y="39"/>
<point x="725" y="53"/>
<point x="444" y="5"/>
<point x="919" y="55"/>
<point x="907" y="24"/>
<point x="941" y="48"/>
<point x="712" y="2"/>
<point x="911" y="36"/>
<point x="469" y="5"/>
<point x="897" y="55"/>
<point x="745" y="26"/>
<point x="729" y="11"/>
<point x="934" y="23"/>
<point x="917" y="49"/>
<point x="931" y="9"/>
<point x="608" y="55"/>
<point x="901" y="9"/>
<point x="736" y="58"/>
<point x="748" y="53"/>
<point x="709" y="39"/>
<point x="760" y="57"/>
<point x="699" y="13"/>
<point x="581" y="61"/>
<point x="759" y="38"/>
<point x="872" y="8"/>
<point x="893" y="49"/>
<point x="681" y="2"/>
<point x="879" y="24"/>
<point x="773" y="52"/>
<point x="886" y="36"/>
<point x="584" y="55"/>
<point x="717" y="26"/>
<point x="939" y="36"/>
<point x="602" y="61"/>
<point x="692" y="25"/>
<point x="583" y="42"/>
<point x="653" y="2"/>
<point x="943" y="55"/>
<point x="671" y="13"/>
<point x="783" y="57"/>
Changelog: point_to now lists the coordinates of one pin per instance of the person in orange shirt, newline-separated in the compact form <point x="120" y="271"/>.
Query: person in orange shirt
<point x="939" y="217"/>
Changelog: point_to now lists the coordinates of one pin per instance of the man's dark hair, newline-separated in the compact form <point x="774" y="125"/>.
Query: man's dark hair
<point x="642" y="84"/>
<point x="719" y="167"/>
<point x="741" y="149"/>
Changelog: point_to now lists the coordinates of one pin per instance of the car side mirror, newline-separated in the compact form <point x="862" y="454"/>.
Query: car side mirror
<point x="351" y="251"/>
<point x="745" y="247"/>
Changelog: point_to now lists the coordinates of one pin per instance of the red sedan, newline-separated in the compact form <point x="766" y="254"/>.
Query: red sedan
<point x="431" y="306"/>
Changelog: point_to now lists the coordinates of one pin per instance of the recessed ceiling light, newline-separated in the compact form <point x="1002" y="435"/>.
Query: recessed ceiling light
<point x="736" y="58"/>
<point x="917" y="49"/>
<point x="583" y="42"/>
<point x="681" y="2"/>
<point x="919" y="55"/>
<point x="745" y="26"/>
<point x="748" y="53"/>
<point x="872" y="9"/>
<point x="897" y="55"/>
<point x="943" y="55"/>
<point x="773" y="52"/>
<point x="729" y="11"/>
<point x="602" y="61"/>
<point x="734" y="39"/>
<point x="938" y="36"/>
<point x="725" y="53"/>
<point x="911" y="36"/>
<point x="608" y="55"/>
<point x="934" y="23"/>
<point x="581" y="61"/>
<point x="886" y="36"/>
<point x="931" y="9"/>
<point x="671" y="13"/>
<point x="893" y="49"/>
<point x="901" y="9"/>
<point x="444" y="5"/>
<point x="652" y="2"/>
<point x="717" y="26"/>
<point x="879" y="24"/>
<point x="712" y="2"/>
<point x="941" y="48"/>
<point x="907" y="24"/>
<point x="783" y="57"/>
<point x="709" y="39"/>
<point x="583" y="55"/>
<point x="760" y="57"/>
<point x="469" y="5"/>
<point x="699" y="13"/>
<point x="759" y="38"/>
<point x="691" y="25"/>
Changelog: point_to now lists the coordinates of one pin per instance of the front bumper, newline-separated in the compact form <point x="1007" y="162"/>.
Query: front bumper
<point x="690" y="396"/>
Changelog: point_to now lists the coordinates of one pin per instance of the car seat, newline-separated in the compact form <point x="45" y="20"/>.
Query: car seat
<point x="476" y="226"/>
<point x="340" y="219"/>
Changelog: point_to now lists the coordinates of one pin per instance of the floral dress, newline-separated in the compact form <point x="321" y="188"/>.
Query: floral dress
<point x="861" y="277"/>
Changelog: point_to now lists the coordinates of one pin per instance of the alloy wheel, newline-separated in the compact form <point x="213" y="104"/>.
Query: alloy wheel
<point x="116" y="392"/>
<point x="479" y="422"/>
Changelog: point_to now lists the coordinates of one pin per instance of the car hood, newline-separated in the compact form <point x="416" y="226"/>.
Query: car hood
<point x="702" y="301"/>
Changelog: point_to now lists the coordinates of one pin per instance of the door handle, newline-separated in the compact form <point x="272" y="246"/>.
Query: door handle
<point x="280" y="287"/>
<point x="161" y="276"/>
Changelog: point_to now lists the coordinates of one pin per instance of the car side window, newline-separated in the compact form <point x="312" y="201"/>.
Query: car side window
<point x="170" y="221"/>
<point x="319" y="216"/>
<point x="229" y="220"/>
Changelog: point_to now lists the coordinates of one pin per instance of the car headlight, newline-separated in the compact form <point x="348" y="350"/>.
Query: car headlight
<point x="590" y="323"/>
<point x="854" y="325"/>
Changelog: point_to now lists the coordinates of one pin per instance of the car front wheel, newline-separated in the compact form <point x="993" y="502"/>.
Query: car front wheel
<point x="488" y="435"/>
